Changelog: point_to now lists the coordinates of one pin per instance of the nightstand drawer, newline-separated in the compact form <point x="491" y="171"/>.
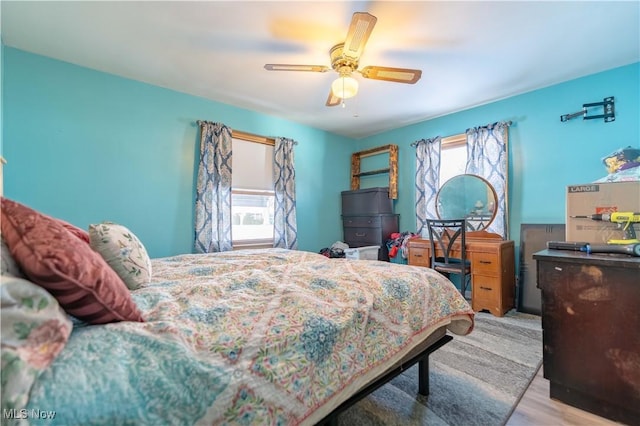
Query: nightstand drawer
<point x="486" y="264"/>
<point x="361" y="222"/>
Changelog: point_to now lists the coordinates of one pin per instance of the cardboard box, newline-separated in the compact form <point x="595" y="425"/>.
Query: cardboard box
<point x="594" y="198"/>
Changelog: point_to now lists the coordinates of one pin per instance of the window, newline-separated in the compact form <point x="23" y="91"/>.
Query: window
<point x="252" y="216"/>
<point x="252" y="195"/>
<point x="453" y="157"/>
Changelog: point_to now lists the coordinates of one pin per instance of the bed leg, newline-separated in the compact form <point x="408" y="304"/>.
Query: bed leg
<point x="423" y="365"/>
<point x="423" y="376"/>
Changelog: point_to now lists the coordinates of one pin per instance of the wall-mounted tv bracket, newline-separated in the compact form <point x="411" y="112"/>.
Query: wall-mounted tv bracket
<point x="606" y="104"/>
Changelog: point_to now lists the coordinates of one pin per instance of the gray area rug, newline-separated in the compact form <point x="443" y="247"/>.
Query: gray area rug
<point x="474" y="380"/>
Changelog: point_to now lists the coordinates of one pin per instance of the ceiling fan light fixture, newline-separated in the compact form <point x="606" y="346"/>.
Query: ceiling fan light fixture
<point x="345" y="58"/>
<point x="344" y="87"/>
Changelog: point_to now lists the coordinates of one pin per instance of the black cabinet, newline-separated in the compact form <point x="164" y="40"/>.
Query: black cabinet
<point x="590" y="322"/>
<point x="368" y="219"/>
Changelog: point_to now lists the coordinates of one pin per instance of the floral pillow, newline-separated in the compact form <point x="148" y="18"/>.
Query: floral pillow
<point x="123" y="251"/>
<point x="34" y="331"/>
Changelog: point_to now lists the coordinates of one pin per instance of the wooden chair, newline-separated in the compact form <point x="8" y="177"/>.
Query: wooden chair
<point x="448" y="251"/>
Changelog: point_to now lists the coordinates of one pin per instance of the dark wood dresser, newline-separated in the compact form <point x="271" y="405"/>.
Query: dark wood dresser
<point x="368" y="219"/>
<point x="591" y="331"/>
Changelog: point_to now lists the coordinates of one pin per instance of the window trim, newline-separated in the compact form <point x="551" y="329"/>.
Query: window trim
<point x="250" y="137"/>
<point x="454" y="141"/>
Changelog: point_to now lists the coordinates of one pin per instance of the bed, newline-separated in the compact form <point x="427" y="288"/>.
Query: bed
<point x="245" y="337"/>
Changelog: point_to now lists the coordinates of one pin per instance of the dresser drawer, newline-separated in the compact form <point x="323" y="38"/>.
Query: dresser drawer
<point x="362" y="222"/>
<point x="485" y="264"/>
<point x="419" y="256"/>
<point x="358" y="237"/>
<point x="486" y="294"/>
<point x="486" y="288"/>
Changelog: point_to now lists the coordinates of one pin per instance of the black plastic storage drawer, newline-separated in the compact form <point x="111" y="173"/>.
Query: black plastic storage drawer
<point x="361" y="221"/>
<point x="359" y="237"/>
<point x="370" y="230"/>
<point x="367" y="201"/>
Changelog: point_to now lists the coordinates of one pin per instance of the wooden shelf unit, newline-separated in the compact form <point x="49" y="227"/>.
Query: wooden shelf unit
<point x="392" y="169"/>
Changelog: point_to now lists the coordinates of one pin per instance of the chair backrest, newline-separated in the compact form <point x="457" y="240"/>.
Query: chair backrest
<point x="443" y="234"/>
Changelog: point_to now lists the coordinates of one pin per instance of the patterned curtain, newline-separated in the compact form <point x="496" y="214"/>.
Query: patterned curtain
<point x="213" y="192"/>
<point x="427" y="180"/>
<point x="487" y="157"/>
<point x="284" y="177"/>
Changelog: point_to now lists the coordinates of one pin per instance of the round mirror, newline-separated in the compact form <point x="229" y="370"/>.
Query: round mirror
<point x="470" y="197"/>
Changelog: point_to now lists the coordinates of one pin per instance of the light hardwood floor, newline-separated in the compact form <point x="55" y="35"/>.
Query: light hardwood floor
<point x="537" y="409"/>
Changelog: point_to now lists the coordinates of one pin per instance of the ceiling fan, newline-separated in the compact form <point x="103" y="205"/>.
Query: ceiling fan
<point x="344" y="60"/>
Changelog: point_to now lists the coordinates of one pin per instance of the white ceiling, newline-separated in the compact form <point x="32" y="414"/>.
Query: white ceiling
<point x="471" y="53"/>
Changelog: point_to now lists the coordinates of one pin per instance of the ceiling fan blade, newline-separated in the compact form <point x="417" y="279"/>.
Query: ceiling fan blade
<point x="289" y="67"/>
<point x="333" y="100"/>
<point x="360" y="29"/>
<point x="398" y="75"/>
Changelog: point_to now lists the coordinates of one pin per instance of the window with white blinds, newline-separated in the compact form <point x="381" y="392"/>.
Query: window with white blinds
<point x="252" y="195"/>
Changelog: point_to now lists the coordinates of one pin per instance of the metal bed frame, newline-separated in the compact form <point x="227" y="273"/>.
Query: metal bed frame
<point x="423" y="380"/>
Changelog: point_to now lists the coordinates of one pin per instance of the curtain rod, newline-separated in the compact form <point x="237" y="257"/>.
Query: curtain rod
<point x="506" y="123"/>
<point x="454" y="137"/>
<point x="250" y="137"/>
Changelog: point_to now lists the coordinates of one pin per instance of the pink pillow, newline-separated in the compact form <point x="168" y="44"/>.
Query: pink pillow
<point x="52" y="257"/>
<point x="78" y="232"/>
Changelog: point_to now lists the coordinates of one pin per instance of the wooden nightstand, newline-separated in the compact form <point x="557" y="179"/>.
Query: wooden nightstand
<point x="493" y="276"/>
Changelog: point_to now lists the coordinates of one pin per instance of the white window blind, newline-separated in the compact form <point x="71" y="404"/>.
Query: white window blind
<point x="252" y="166"/>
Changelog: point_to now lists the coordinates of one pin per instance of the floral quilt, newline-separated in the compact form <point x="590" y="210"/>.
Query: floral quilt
<point x="247" y="337"/>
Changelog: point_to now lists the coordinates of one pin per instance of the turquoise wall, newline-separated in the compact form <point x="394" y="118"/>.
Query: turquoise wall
<point x="86" y="146"/>
<point x="545" y="154"/>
